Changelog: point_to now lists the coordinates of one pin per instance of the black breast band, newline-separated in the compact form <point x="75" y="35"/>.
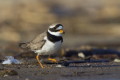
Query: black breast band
<point x="54" y="38"/>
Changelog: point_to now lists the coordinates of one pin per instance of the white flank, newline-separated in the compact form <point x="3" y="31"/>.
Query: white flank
<point x="49" y="47"/>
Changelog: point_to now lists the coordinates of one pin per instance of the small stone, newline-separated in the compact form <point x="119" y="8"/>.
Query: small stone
<point x="6" y="72"/>
<point x="59" y="66"/>
<point x="27" y="79"/>
<point x="116" y="60"/>
<point x="5" y="75"/>
<point x="12" y="72"/>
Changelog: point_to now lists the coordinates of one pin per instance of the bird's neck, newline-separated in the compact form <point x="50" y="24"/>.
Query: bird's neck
<point x="54" y="38"/>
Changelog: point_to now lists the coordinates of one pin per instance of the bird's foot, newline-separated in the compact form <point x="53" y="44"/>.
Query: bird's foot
<point x="53" y="60"/>
<point x="44" y="66"/>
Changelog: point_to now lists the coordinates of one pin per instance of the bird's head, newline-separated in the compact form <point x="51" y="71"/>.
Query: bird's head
<point x="56" y="29"/>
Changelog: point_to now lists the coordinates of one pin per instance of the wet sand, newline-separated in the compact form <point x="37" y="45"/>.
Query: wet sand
<point x="81" y="71"/>
<point x="30" y="70"/>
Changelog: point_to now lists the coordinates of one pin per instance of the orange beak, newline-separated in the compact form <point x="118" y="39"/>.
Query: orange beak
<point x="61" y="31"/>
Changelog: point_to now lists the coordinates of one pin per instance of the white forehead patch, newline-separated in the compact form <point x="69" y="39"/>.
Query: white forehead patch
<point x="60" y="27"/>
<point x="52" y="26"/>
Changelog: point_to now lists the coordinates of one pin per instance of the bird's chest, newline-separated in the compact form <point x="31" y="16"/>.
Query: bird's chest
<point x="51" y="47"/>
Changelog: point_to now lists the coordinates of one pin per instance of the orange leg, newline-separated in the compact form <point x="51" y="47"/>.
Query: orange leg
<point x="37" y="57"/>
<point x="52" y="60"/>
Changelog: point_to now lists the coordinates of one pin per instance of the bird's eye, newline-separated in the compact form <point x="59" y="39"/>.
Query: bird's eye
<point x="60" y="27"/>
<point x="53" y="30"/>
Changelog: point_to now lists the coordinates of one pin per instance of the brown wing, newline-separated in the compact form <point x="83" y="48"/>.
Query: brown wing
<point x="35" y="44"/>
<point x="38" y="42"/>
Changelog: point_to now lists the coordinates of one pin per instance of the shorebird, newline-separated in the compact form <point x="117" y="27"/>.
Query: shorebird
<point x="46" y="43"/>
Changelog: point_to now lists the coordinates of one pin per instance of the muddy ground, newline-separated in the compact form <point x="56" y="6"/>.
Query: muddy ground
<point x="103" y="68"/>
<point x="83" y="71"/>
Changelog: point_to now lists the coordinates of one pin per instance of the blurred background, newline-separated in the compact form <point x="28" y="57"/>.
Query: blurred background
<point x="86" y="22"/>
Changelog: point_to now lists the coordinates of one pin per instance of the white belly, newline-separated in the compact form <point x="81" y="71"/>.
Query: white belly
<point x="49" y="48"/>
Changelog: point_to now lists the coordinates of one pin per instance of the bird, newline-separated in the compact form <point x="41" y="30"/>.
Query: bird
<point x="46" y="43"/>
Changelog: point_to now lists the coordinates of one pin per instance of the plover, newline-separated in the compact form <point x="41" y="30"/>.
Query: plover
<point x="46" y="43"/>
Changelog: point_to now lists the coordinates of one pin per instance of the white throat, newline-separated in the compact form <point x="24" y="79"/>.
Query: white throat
<point x="55" y="33"/>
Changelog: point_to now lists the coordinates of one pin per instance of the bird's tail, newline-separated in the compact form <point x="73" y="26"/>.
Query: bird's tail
<point x="23" y="45"/>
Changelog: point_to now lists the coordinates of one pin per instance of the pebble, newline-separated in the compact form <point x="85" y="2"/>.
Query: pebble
<point x="59" y="65"/>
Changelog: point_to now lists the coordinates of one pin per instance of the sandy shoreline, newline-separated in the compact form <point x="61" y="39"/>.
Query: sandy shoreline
<point x="83" y="71"/>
